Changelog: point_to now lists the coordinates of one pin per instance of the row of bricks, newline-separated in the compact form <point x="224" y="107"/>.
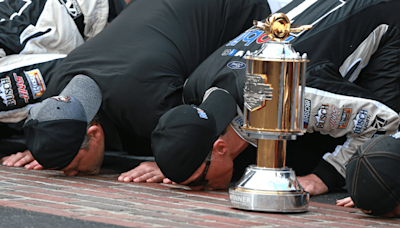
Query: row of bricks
<point x="103" y="199"/>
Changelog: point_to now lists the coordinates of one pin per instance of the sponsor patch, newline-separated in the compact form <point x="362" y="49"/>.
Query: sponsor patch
<point x="344" y="119"/>
<point x="334" y="117"/>
<point x="360" y="120"/>
<point x="36" y="82"/>
<point x="307" y="112"/>
<point x="232" y="52"/>
<point x="396" y="136"/>
<point x="378" y="123"/>
<point x="236" y="65"/>
<point x="62" y="98"/>
<point x="6" y="92"/>
<point x="201" y="113"/>
<point x="72" y="7"/>
<point x="252" y="35"/>
<point x="23" y="93"/>
<point x="367" y="121"/>
<point x="321" y="116"/>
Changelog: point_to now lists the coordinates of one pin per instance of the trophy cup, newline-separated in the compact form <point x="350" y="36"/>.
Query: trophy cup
<point x="273" y="113"/>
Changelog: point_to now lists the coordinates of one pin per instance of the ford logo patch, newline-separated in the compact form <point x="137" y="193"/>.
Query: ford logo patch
<point x="236" y="65"/>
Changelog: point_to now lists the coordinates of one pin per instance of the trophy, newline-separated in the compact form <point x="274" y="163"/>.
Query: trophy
<point x="273" y="113"/>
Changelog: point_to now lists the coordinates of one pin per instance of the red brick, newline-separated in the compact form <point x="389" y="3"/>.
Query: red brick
<point x="343" y="220"/>
<point x="333" y="207"/>
<point x="46" y="210"/>
<point x="40" y="190"/>
<point x="158" y="203"/>
<point x="288" y="221"/>
<point x="113" y="215"/>
<point x="216" y="224"/>
<point x="95" y="193"/>
<point x="145" y="196"/>
<point x="220" y="195"/>
<point x="41" y="196"/>
<point x="166" y="223"/>
<point x="230" y="220"/>
<point x="9" y="203"/>
<point x="117" y="222"/>
<point x="50" y="205"/>
<point x="225" y="203"/>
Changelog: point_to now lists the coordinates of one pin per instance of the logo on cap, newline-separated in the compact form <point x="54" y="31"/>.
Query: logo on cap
<point x="201" y="113"/>
<point x="61" y="98"/>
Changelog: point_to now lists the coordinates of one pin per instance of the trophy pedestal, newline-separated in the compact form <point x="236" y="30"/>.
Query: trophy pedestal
<point x="269" y="190"/>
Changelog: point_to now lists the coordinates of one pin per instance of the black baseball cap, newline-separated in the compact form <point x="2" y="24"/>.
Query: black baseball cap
<point x="372" y="175"/>
<point x="185" y="134"/>
<point x="56" y="127"/>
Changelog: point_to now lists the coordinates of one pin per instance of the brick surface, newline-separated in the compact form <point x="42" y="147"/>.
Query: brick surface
<point x="103" y="199"/>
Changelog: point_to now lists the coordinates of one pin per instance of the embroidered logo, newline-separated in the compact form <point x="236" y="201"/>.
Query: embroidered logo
<point x="6" y="92"/>
<point x="72" y="7"/>
<point x="344" y="120"/>
<point x="307" y="112"/>
<point x="378" y="123"/>
<point x="321" y="116"/>
<point x="36" y="82"/>
<point x="334" y="116"/>
<point x="61" y="98"/>
<point x="201" y="113"/>
<point x="360" y="120"/>
<point x="236" y="65"/>
<point x="23" y="93"/>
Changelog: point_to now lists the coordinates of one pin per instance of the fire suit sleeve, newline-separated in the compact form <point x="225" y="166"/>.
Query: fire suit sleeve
<point x="358" y="119"/>
<point x="49" y="26"/>
<point x="23" y="81"/>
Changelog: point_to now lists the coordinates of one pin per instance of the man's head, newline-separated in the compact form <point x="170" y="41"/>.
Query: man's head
<point x="186" y="134"/>
<point x="220" y="164"/>
<point x="55" y="128"/>
<point x="372" y="176"/>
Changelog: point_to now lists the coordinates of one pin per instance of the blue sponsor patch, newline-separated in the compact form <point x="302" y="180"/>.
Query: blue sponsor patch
<point x="236" y="65"/>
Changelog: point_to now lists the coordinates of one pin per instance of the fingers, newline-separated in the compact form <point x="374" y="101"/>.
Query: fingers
<point x="150" y="177"/>
<point x="168" y="181"/>
<point x="19" y="159"/>
<point x="34" y="165"/>
<point x="145" y="172"/>
<point x="346" y="202"/>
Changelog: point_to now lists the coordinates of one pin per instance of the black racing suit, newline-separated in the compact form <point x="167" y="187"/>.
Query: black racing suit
<point x="141" y="60"/>
<point x="354" y="50"/>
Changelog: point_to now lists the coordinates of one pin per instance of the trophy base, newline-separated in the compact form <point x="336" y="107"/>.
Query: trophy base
<point x="269" y="190"/>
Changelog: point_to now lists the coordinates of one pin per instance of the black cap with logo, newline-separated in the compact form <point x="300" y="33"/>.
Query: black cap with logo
<point x="56" y="127"/>
<point x="185" y="134"/>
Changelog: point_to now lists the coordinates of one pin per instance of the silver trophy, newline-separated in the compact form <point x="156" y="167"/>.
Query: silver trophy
<point x="274" y="104"/>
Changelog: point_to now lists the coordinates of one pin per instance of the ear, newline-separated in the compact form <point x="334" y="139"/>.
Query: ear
<point x="96" y="133"/>
<point x="220" y="146"/>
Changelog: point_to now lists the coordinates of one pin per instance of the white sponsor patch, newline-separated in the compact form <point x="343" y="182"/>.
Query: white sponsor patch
<point x="6" y="92"/>
<point x="36" y="82"/>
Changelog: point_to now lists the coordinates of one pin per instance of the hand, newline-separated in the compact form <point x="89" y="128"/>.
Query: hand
<point x="346" y="202"/>
<point x="145" y="172"/>
<point x="21" y="158"/>
<point x="313" y="184"/>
